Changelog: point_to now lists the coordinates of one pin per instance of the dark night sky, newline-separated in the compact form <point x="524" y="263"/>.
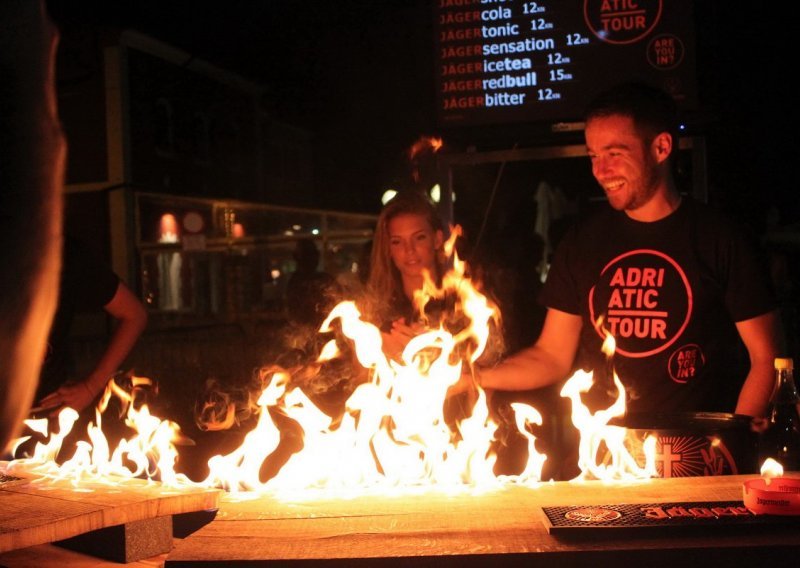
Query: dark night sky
<point x="359" y="73"/>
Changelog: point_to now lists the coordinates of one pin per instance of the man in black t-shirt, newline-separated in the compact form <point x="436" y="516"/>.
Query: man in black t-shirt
<point x="679" y="287"/>
<point x="87" y="285"/>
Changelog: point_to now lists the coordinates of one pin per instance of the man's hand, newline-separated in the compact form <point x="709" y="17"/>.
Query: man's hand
<point x="467" y="382"/>
<point x="77" y="395"/>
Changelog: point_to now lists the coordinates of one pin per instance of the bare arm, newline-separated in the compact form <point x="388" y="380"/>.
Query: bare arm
<point x="760" y="337"/>
<point x="32" y="156"/>
<point x="131" y="320"/>
<point x="547" y="361"/>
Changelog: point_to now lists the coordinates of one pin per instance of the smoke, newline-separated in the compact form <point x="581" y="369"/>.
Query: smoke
<point x="328" y="383"/>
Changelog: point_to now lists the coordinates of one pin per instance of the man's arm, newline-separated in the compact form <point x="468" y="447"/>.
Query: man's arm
<point x="547" y="361"/>
<point x="32" y="158"/>
<point x="131" y="320"/>
<point x="760" y="336"/>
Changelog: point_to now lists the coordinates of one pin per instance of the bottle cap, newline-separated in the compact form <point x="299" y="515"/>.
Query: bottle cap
<point x="784" y="363"/>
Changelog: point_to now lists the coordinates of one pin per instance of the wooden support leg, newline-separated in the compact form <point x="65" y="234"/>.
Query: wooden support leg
<point x="125" y="543"/>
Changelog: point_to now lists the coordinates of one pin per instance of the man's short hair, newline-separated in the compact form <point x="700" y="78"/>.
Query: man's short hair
<point x="653" y="110"/>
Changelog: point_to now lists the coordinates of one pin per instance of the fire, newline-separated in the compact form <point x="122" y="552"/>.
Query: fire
<point x="596" y="433"/>
<point x="393" y="435"/>
<point x="425" y="144"/>
<point x="150" y="453"/>
<point x="771" y="469"/>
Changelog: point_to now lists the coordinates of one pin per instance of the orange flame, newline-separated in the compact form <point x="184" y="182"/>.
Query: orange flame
<point x="392" y="436"/>
<point x="771" y="469"/>
<point x="425" y="143"/>
<point x="596" y="433"/>
<point x="150" y="453"/>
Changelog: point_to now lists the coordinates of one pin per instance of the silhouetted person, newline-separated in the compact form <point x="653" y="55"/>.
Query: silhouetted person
<point x="310" y="293"/>
<point x="87" y="285"/>
<point x="32" y="157"/>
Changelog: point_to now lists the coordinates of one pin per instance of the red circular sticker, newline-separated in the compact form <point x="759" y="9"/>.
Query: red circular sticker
<point x="592" y="515"/>
<point x="665" y="52"/>
<point x="646" y="302"/>
<point x="685" y="363"/>
<point x="622" y="21"/>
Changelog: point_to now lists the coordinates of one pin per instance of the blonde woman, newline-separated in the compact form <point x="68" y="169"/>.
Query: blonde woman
<point x="408" y="241"/>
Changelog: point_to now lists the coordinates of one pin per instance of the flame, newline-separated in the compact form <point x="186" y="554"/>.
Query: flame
<point x="523" y="416"/>
<point x="150" y="453"/>
<point x="771" y="469"/>
<point x="421" y="155"/>
<point x="609" y="345"/>
<point x="393" y="435"/>
<point x="596" y="433"/>
<point x="329" y="352"/>
<point x="425" y="143"/>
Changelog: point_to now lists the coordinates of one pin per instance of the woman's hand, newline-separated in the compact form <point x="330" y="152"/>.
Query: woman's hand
<point x="395" y="341"/>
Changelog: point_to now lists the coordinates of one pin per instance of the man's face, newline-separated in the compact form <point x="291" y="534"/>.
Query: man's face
<point x="622" y="162"/>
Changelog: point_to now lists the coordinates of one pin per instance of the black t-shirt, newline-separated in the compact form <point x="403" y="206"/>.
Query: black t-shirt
<point x="670" y="293"/>
<point x="87" y="285"/>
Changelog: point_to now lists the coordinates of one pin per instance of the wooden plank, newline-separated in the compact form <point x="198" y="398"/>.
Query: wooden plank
<point x="458" y="529"/>
<point x="43" y="511"/>
<point x="52" y="556"/>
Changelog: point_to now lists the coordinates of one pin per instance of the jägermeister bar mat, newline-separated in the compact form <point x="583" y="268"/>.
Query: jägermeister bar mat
<point x="658" y="518"/>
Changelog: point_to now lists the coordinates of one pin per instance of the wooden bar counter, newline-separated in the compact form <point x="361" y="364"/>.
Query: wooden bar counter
<point x="499" y="527"/>
<point x="36" y="511"/>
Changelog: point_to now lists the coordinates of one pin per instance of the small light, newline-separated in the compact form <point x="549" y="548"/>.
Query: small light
<point x="275" y="273"/>
<point x="168" y="229"/>
<point x="288" y="232"/>
<point x="682" y="127"/>
<point x="387" y="196"/>
<point x="296" y="227"/>
<point x="315" y="231"/>
<point x="436" y="193"/>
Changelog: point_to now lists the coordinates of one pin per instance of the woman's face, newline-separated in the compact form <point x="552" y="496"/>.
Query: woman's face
<point x="413" y="244"/>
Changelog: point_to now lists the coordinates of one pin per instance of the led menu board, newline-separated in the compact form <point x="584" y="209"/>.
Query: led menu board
<point x="501" y="61"/>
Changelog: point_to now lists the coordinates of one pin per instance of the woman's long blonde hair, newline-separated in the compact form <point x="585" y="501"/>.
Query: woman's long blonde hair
<point x="384" y="279"/>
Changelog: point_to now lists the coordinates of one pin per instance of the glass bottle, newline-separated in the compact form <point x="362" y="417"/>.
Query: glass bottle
<point x="781" y="440"/>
